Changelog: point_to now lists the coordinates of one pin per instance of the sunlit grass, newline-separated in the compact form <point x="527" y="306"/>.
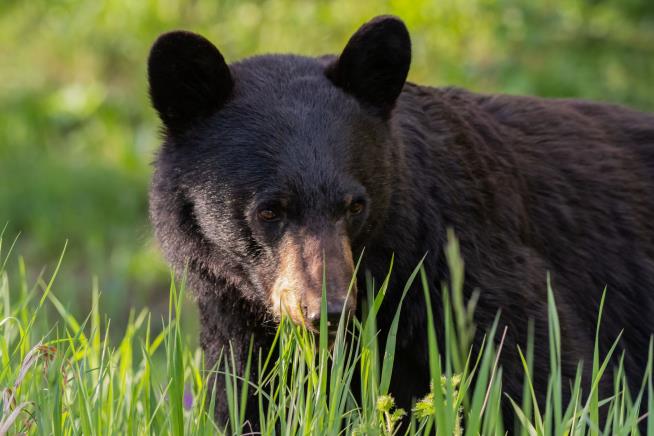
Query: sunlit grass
<point x="67" y="376"/>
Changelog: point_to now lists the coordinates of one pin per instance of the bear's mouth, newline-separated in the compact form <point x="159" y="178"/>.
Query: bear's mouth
<point x="289" y="306"/>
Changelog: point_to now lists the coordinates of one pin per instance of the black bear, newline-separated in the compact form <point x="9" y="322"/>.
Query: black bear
<point x="276" y="163"/>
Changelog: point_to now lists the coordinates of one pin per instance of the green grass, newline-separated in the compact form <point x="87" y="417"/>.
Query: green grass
<point x="67" y="375"/>
<point x="77" y="135"/>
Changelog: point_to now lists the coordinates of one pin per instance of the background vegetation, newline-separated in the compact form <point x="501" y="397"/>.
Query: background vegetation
<point x="77" y="133"/>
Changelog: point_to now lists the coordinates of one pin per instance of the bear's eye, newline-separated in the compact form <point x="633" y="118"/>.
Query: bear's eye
<point x="356" y="207"/>
<point x="268" y="215"/>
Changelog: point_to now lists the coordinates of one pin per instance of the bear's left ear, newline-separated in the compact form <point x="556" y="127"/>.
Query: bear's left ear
<point x="375" y="62"/>
<point x="188" y="78"/>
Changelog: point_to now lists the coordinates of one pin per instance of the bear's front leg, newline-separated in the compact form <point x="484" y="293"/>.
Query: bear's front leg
<point x="228" y="327"/>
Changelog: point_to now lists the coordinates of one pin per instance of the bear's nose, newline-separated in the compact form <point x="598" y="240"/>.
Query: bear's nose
<point x="334" y="310"/>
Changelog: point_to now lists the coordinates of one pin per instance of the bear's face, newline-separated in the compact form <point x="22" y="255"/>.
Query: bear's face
<point x="272" y="173"/>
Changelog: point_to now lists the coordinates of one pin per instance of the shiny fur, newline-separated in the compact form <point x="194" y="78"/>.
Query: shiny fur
<point x="531" y="186"/>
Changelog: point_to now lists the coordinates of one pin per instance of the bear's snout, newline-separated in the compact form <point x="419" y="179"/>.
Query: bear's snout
<point x="335" y="307"/>
<point x="306" y="260"/>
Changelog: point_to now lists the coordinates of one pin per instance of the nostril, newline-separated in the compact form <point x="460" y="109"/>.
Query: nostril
<point x="313" y="317"/>
<point x="334" y="312"/>
<point x="333" y="318"/>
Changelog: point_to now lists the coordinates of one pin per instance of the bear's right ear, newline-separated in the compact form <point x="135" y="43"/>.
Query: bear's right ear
<point x="375" y="62"/>
<point x="188" y="78"/>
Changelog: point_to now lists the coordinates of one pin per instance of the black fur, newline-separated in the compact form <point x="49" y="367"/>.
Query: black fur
<point x="529" y="185"/>
<point x="375" y="63"/>
<point x="188" y="78"/>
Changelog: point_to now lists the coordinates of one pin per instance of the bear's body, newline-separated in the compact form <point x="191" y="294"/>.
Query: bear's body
<point x="273" y="160"/>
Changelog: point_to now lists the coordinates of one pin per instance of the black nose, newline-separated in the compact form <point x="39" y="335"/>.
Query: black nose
<point x="333" y="316"/>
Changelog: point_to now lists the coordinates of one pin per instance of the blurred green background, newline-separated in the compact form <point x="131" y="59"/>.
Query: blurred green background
<point x="77" y="134"/>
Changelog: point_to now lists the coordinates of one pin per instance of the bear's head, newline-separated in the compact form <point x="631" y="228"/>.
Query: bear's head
<point x="276" y="170"/>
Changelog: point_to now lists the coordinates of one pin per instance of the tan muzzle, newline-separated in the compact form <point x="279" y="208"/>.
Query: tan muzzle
<point x="306" y="260"/>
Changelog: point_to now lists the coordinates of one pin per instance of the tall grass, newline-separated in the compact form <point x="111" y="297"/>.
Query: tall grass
<point x="65" y="376"/>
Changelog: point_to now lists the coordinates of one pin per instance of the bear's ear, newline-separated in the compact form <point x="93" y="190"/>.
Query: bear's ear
<point x="188" y="78"/>
<point x="375" y="62"/>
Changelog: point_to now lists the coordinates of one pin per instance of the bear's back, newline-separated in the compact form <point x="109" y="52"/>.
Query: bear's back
<point x="570" y="182"/>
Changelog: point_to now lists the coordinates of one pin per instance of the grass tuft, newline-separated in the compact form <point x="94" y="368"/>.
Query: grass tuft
<point x="66" y="375"/>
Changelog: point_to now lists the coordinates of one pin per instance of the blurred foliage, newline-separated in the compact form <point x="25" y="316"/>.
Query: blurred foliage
<point x="77" y="133"/>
